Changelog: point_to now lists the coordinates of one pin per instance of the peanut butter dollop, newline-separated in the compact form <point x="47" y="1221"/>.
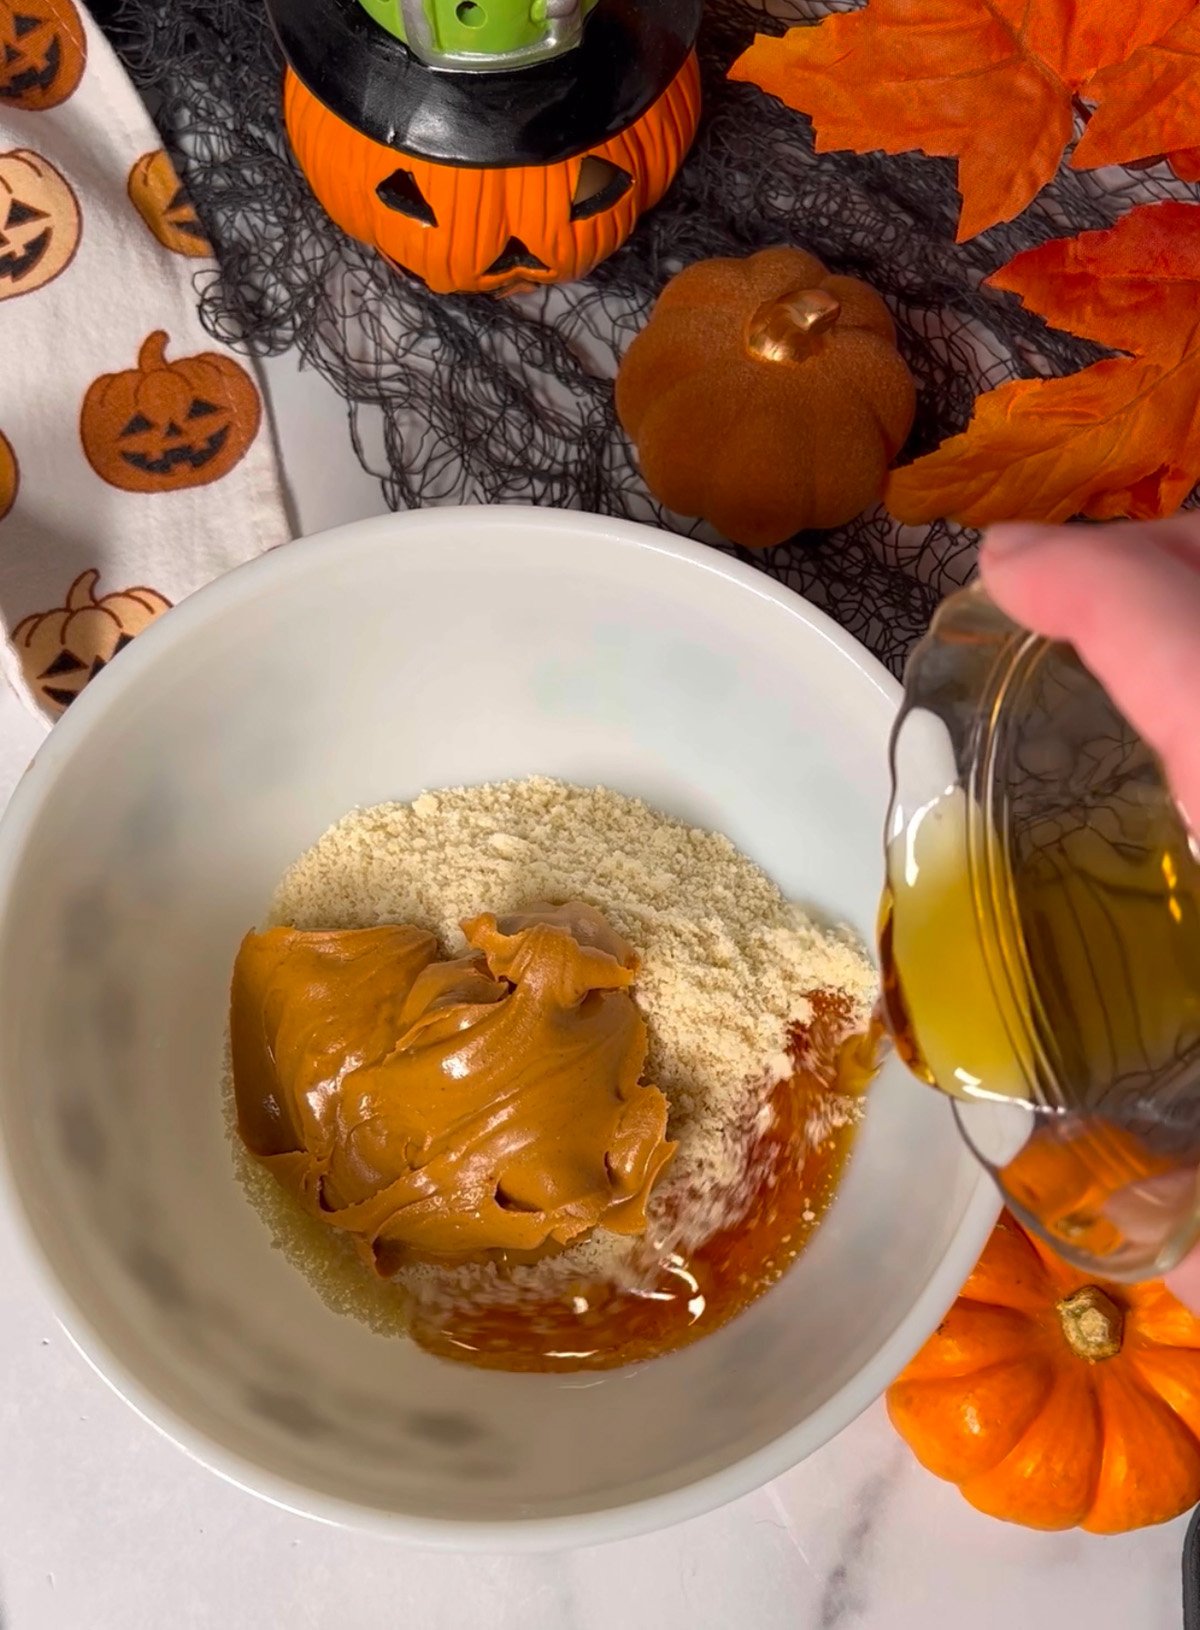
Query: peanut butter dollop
<point x="449" y="1110"/>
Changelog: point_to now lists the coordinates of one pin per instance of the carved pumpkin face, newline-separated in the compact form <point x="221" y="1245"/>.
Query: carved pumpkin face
<point x="61" y="650"/>
<point x="495" y="231"/>
<point x="10" y="477"/>
<point x="39" y="223"/>
<point x="42" y="53"/>
<point x="166" y="425"/>
<point x="157" y="194"/>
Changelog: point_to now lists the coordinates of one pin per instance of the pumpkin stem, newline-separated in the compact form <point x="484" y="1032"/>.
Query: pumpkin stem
<point x="1092" y="1323"/>
<point x="82" y="592"/>
<point x="783" y="329"/>
<point x="153" y="354"/>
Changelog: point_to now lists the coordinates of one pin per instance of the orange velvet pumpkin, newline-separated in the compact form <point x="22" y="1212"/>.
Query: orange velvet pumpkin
<point x="766" y="396"/>
<point x="1055" y="1400"/>
<point x="493" y="230"/>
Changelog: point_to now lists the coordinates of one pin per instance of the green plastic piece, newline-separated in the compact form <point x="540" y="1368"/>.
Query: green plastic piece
<point x="478" y="27"/>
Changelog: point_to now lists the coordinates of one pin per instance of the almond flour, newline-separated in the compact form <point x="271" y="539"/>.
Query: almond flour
<point x="727" y="966"/>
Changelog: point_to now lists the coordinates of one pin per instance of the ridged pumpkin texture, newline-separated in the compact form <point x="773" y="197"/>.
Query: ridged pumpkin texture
<point x="493" y="230"/>
<point x="1055" y="1400"/>
<point x="766" y="395"/>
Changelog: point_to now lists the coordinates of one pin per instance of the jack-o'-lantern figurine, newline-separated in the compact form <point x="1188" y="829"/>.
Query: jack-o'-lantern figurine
<point x="490" y="145"/>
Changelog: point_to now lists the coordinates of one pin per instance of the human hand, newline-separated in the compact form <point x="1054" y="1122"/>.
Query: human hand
<point x="1127" y="597"/>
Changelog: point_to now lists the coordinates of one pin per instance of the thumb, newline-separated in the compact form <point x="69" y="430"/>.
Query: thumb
<point x="1184" y="1281"/>
<point x="1127" y="597"/>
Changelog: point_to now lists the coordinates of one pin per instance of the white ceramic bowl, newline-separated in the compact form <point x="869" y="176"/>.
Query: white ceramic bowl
<point x="432" y="649"/>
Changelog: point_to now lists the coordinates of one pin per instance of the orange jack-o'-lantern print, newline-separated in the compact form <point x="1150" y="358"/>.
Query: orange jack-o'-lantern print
<point x="10" y="477"/>
<point x="157" y="194"/>
<point x="61" y="650"/>
<point x="42" y="53"/>
<point x="166" y="425"/>
<point x="39" y="223"/>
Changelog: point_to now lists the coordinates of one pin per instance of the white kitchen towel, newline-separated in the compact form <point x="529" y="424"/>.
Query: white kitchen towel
<point x="136" y="461"/>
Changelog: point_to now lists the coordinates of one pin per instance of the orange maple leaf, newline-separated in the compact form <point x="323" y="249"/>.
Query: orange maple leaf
<point x="1120" y="438"/>
<point x="989" y="82"/>
<point x="1148" y="104"/>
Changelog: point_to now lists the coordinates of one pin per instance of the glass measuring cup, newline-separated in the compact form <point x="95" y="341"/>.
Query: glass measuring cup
<point x="1040" y="939"/>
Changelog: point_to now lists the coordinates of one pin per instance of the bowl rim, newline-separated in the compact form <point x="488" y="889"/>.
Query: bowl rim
<point x="252" y="580"/>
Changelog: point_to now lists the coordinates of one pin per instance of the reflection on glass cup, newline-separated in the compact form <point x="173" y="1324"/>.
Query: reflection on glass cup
<point x="1040" y="939"/>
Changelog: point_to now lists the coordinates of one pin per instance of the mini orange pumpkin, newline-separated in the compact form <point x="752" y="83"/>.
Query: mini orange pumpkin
<point x="61" y="650"/>
<point x="39" y="223"/>
<point x="766" y="396"/>
<point x="157" y="194"/>
<point x="10" y="476"/>
<point x="1066" y="1177"/>
<point x="493" y="230"/>
<point x="42" y="53"/>
<point x="166" y="425"/>
<point x="1058" y="1401"/>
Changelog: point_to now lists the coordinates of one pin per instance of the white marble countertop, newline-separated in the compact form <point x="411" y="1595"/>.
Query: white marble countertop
<point x="104" y="1525"/>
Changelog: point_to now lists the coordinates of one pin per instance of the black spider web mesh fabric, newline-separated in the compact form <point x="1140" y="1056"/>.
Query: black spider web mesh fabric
<point x="482" y="400"/>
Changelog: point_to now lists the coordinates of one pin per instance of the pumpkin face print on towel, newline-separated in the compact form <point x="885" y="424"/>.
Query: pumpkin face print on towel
<point x="110" y="389"/>
<point x="42" y="53"/>
<point x="10" y="476"/>
<point x="61" y="650"/>
<point x="157" y="194"/>
<point x="166" y="425"/>
<point x="39" y="223"/>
